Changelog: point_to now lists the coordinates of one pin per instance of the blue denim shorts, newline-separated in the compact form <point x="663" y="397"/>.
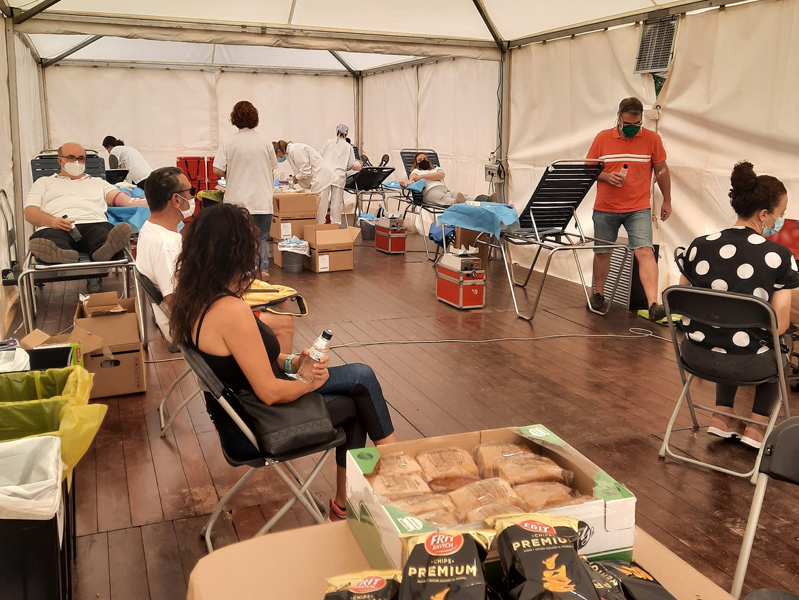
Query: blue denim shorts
<point x="637" y="224"/>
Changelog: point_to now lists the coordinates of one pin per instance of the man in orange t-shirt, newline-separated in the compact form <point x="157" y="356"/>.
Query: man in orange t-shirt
<point x="631" y="154"/>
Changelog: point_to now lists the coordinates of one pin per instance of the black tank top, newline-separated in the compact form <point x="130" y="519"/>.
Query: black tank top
<point x="226" y="367"/>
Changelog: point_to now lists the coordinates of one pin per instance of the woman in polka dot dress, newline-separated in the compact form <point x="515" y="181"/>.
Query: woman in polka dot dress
<point x="741" y="259"/>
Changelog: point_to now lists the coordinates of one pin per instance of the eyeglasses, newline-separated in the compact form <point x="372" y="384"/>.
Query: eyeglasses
<point x="192" y="190"/>
<point x="71" y="158"/>
<point x="636" y="124"/>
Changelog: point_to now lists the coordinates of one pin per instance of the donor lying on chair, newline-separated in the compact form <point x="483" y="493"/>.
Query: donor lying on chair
<point x="68" y="210"/>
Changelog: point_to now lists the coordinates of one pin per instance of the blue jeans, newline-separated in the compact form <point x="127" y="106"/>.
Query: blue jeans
<point x="637" y="224"/>
<point x="359" y="382"/>
<point x="263" y="223"/>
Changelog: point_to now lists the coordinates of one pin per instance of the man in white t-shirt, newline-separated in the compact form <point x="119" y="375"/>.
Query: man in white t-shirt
<point x="170" y="197"/>
<point x="68" y="210"/>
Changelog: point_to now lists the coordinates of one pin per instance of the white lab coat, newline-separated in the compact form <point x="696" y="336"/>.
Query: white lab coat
<point x="132" y="160"/>
<point x="341" y="157"/>
<point x="312" y="173"/>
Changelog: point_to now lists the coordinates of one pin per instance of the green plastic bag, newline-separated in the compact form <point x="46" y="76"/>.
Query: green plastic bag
<point x="52" y="402"/>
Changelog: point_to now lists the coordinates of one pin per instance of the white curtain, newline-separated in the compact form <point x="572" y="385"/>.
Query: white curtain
<point x="6" y="179"/>
<point x="562" y="94"/>
<point x="733" y="94"/>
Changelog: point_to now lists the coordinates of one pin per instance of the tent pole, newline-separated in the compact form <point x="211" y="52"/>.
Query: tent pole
<point x="16" y="161"/>
<point x="45" y="112"/>
<point x="23" y="16"/>
<point x="504" y="123"/>
<point x="63" y="55"/>
<point x="359" y="112"/>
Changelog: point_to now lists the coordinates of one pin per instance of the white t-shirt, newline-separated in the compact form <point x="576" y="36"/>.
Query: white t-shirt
<point x="311" y="170"/>
<point x="249" y="162"/>
<point x="430" y="183"/>
<point x="340" y="155"/>
<point x="156" y="253"/>
<point x="132" y="160"/>
<point x="80" y="199"/>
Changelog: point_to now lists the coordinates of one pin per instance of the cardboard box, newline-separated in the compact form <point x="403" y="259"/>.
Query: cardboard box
<point x="118" y="366"/>
<point x="59" y="351"/>
<point x="283" y="227"/>
<point x="467" y="237"/>
<point x="609" y="519"/>
<point x="295" y="205"/>
<point x="331" y="247"/>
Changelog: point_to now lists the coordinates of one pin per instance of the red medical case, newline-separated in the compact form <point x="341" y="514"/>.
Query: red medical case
<point x="462" y="289"/>
<point x="390" y="240"/>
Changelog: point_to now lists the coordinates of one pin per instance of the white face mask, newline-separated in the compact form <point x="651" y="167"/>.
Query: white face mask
<point x="189" y="211"/>
<point x="75" y="169"/>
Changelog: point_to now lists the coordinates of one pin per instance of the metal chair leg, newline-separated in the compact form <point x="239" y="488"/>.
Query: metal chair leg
<point x="664" y="448"/>
<point x="166" y="395"/>
<point x="749" y="536"/>
<point x="209" y="526"/>
<point x="174" y="415"/>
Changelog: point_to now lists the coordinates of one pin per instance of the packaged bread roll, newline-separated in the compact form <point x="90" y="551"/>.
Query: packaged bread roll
<point x="486" y="456"/>
<point x="447" y="469"/>
<point x="480" y="493"/>
<point x="394" y="487"/>
<point x="528" y="468"/>
<point x="397" y="463"/>
<point x="424" y="504"/>
<point x="539" y="496"/>
<point x="495" y="509"/>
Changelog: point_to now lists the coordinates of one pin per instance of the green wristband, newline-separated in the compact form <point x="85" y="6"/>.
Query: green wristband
<point x="287" y="364"/>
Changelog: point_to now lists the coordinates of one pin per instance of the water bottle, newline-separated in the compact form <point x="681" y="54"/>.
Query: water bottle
<point x="623" y="173"/>
<point x="315" y="354"/>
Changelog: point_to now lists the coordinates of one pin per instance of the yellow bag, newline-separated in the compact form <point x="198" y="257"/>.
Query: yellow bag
<point x="266" y="296"/>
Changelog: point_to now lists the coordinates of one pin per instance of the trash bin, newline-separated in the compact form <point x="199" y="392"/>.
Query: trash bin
<point x="34" y="561"/>
<point x="293" y="253"/>
<point x="52" y="402"/>
<point x="367" y="230"/>
<point x="293" y="262"/>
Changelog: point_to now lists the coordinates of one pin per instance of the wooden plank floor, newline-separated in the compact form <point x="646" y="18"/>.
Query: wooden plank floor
<point x="143" y="499"/>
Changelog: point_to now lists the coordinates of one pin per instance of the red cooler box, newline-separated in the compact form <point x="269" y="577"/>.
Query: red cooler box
<point x="390" y="235"/>
<point x="462" y="289"/>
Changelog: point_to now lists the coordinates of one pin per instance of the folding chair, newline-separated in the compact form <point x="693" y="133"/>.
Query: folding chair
<point x="543" y="223"/>
<point x="11" y="274"/>
<point x="725" y="310"/>
<point x="368" y="181"/>
<point x="155" y="296"/>
<point x="779" y="462"/>
<point x="240" y="448"/>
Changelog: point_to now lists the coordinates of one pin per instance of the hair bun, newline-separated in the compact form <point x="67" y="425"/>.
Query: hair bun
<point x="743" y="177"/>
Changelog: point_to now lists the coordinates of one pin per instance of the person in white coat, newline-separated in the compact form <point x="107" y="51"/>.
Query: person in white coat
<point x="121" y="156"/>
<point x="310" y="170"/>
<point x="339" y="154"/>
<point x="247" y="160"/>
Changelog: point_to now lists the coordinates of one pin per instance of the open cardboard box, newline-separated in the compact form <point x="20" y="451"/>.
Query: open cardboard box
<point x="295" y="205"/>
<point x="59" y="351"/>
<point x="331" y="247"/>
<point x="284" y="227"/>
<point x="609" y="519"/>
<point x="118" y="366"/>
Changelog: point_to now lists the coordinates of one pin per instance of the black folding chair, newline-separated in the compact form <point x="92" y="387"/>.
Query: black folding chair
<point x="239" y="446"/>
<point x="724" y="310"/>
<point x="543" y="224"/>
<point x="368" y="182"/>
<point x="781" y="448"/>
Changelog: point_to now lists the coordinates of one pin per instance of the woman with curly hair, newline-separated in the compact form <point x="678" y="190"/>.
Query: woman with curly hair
<point x="216" y="266"/>
<point x="741" y="259"/>
<point x="248" y="161"/>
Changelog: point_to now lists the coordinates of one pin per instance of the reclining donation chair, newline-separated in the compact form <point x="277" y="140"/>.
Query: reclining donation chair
<point x="725" y="310"/>
<point x="35" y="273"/>
<point x="543" y="224"/>
<point x="368" y="182"/>
<point x="155" y="296"/>
<point x="240" y="448"/>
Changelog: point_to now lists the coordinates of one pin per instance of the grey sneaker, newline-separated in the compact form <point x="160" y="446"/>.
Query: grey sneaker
<point x="597" y="302"/>
<point x="117" y="240"/>
<point x="656" y="312"/>
<point x="46" y="251"/>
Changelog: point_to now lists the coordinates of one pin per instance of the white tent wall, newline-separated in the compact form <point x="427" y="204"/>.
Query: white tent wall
<point x="733" y="94"/>
<point x="6" y="177"/>
<point x="562" y="94"/>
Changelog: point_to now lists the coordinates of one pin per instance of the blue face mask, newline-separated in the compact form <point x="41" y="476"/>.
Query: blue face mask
<point x="281" y="158"/>
<point x="778" y="222"/>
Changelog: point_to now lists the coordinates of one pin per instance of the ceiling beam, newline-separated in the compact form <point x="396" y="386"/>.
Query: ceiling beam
<point x="407" y="63"/>
<point x="489" y="23"/>
<point x="344" y="63"/>
<point x="6" y="9"/>
<point x="23" y="16"/>
<point x="26" y="39"/>
<point x="131" y="64"/>
<point x="51" y="61"/>
<point x="291" y="12"/>
<point x="662" y="10"/>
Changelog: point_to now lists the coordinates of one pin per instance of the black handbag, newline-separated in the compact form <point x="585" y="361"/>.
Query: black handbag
<point x="284" y="428"/>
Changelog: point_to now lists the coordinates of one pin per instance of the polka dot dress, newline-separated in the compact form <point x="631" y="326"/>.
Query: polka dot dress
<point x="737" y="260"/>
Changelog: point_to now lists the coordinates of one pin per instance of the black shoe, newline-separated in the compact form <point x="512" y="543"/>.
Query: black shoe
<point x="656" y="312"/>
<point x="597" y="302"/>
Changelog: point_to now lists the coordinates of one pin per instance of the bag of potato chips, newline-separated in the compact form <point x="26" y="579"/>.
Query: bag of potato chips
<point x="369" y="585"/>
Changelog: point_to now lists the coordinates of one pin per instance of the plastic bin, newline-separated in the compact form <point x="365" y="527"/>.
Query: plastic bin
<point x="34" y="561"/>
<point x="367" y="230"/>
<point x="292" y="261"/>
<point x="52" y="402"/>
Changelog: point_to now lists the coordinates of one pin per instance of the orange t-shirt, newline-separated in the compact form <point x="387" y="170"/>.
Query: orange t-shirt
<point x="638" y="153"/>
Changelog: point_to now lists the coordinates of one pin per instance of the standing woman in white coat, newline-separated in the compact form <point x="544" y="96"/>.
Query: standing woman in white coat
<point x="310" y="170"/>
<point x="339" y="154"/>
<point x="247" y="160"/>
